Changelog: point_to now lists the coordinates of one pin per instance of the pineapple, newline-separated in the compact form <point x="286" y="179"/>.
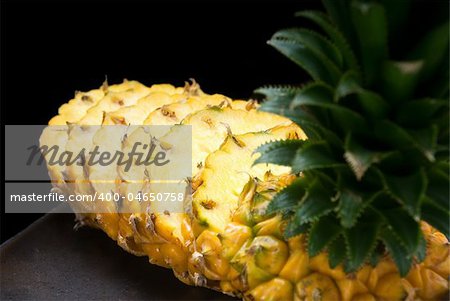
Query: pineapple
<point x="228" y="240"/>
<point x="355" y="212"/>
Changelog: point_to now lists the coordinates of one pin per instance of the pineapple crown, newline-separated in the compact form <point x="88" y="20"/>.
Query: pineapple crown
<point x="376" y="162"/>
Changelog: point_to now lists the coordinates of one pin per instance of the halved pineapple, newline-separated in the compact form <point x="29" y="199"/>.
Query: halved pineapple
<point x="222" y="237"/>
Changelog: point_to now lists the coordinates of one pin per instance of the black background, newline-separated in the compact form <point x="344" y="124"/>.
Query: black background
<point x="52" y="48"/>
<point x="49" y="49"/>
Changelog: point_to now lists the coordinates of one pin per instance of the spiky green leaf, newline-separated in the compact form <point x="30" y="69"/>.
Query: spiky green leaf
<point x="404" y="227"/>
<point x="439" y="186"/>
<point x="317" y="96"/>
<point x="408" y="190"/>
<point x="312" y="128"/>
<point x="432" y="49"/>
<point x="322" y="97"/>
<point x="279" y="102"/>
<point x="313" y="41"/>
<point x="335" y="35"/>
<point x="295" y="228"/>
<point x="339" y="12"/>
<point x="314" y="155"/>
<point x="397" y="251"/>
<point x="375" y="257"/>
<point x="421" y="252"/>
<point x="370" y="23"/>
<point x="315" y="203"/>
<point x="313" y="93"/>
<point x="322" y="232"/>
<point x="359" y="158"/>
<point x="278" y="91"/>
<point x="408" y="113"/>
<point x="398" y="79"/>
<point x="348" y="84"/>
<point x="436" y="216"/>
<point x="336" y="252"/>
<point x="351" y="204"/>
<point x="398" y="137"/>
<point x="289" y="197"/>
<point x="370" y="103"/>
<point x="360" y="241"/>
<point x="426" y="139"/>
<point x="280" y="152"/>
<point x="312" y="62"/>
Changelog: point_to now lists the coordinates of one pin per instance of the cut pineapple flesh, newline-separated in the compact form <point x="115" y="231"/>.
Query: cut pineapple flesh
<point x="211" y="126"/>
<point x="217" y="194"/>
<point x="222" y="238"/>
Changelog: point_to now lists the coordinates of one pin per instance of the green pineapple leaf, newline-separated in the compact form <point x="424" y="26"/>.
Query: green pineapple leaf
<point x="361" y="240"/>
<point x="318" y="66"/>
<point x="421" y="252"/>
<point x="436" y="216"/>
<point x="281" y="98"/>
<point x="428" y="108"/>
<point x="322" y="233"/>
<point x="398" y="137"/>
<point x="338" y="39"/>
<point x="370" y="24"/>
<point x="315" y="203"/>
<point x="397" y="251"/>
<point x="340" y="14"/>
<point x="295" y="228"/>
<point x="426" y="138"/>
<point x="404" y="227"/>
<point x="375" y="257"/>
<point x="278" y="91"/>
<point x="287" y="198"/>
<point x="281" y="104"/>
<point x="336" y="252"/>
<point x="358" y="158"/>
<point x="313" y="41"/>
<point x="408" y="190"/>
<point x="321" y="97"/>
<point x="398" y="79"/>
<point x="432" y="50"/>
<point x="349" y="83"/>
<point x="314" y="155"/>
<point x="438" y="187"/>
<point x="371" y="103"/>
<point x="278" y="152"/>
<point x="351" y="205"/>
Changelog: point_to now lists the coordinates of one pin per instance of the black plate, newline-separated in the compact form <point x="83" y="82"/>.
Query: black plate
<point x="49" y="260"/>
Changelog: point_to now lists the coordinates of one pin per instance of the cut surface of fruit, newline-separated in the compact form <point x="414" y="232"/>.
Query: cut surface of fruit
<point x="211" y="126"/>
<point x="226" y="172"/>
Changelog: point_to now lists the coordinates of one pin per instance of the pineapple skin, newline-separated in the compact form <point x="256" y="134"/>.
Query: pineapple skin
<point x="248" y="257"/>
